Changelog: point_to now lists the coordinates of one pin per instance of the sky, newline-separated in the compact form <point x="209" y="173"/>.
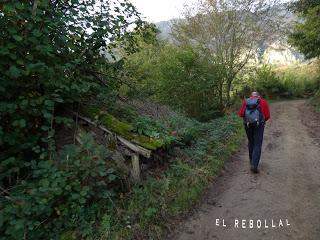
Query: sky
<point x="160" y="10"/>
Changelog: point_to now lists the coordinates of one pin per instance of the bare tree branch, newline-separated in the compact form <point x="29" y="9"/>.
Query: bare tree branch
<point x="229" y="31"/>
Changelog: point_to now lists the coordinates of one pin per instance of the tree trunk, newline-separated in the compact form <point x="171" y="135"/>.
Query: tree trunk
<point x="229" y="84"/>
<point x="221" y="96"/>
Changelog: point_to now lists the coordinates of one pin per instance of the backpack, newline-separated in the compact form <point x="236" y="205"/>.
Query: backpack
<point x="252" y="114"/>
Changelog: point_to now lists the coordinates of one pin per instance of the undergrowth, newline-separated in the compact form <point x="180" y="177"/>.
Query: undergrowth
<point x="146" y="211"/>
<point x="315" y="101"/>
<point x="291" y="82"/>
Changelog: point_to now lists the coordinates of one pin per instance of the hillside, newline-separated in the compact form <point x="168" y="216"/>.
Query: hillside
<point x="277" y="52"/>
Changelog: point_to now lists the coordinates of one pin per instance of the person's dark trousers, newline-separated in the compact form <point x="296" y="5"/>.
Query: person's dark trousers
<point x="255" y="138"/>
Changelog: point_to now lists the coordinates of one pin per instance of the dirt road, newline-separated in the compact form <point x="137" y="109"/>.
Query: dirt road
<point x="284" y="199"/>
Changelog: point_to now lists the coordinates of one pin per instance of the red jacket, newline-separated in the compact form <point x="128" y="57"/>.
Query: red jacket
<point x="264" y="106"/>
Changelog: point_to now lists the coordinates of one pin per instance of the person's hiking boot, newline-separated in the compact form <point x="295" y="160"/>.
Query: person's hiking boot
<point x="254" y="170"/>
<point x="251" y="166"/>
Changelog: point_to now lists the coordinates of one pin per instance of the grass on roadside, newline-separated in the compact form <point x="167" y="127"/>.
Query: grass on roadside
<point x="146" y="212"/>
<point x="315" y="101"/>
<point x="299" y="79"/>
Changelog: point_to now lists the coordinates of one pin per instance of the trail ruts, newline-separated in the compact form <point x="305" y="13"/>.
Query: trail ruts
<point x="288" y="186"/>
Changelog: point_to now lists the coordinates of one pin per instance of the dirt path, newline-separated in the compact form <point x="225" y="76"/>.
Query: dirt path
<point x="288" y="186"/>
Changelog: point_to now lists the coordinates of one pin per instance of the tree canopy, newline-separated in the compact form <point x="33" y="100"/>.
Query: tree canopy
<point x="229" y="32"/>
<point x="305" y="35"/>
<point x="50" y="57"/>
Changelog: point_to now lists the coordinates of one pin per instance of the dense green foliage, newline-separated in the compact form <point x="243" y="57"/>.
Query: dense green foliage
<point x="145" y="211"/>
<point x="165" y="73"/>
<point x="286" y="84"/>
<point x="61" y="55"/>
<point x="306" y="33"/>
<point x="303" y="6"/>
<point x="316" y="101"/>
<point x="59" y="196"/>
<point x="56" y="55"/>
<point x="292" y="81"/>
<point x="140" y="130"/>
<point x="50" y="58"/>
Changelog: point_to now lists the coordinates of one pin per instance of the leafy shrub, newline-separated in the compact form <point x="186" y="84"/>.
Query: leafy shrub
<point x="145" y="126"/>
<point x="49" y="61"/>
<point x="316" y="100"/>
<point x="186" y="130"/>
<point x="177" y="76"/>
<point x="292" y="81"/>
<point x="301" y="80"/>
<point x="66" y="194"/>
<point x="268" y="83"/>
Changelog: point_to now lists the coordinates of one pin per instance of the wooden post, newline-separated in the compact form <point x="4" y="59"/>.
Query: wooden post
<point x="135" y="168"/>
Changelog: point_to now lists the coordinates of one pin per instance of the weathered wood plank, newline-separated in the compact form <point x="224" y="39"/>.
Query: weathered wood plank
<point x="133" y="147"/>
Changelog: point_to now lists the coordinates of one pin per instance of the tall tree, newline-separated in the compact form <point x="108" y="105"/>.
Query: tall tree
<point x="50" y="53"/>
<point x="306" y="33"/>
<point x="229" y="32"/>
<point x="50" y="57"/>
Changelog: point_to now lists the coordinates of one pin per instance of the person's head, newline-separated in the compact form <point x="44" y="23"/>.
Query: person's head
<point x="255" y="94"/>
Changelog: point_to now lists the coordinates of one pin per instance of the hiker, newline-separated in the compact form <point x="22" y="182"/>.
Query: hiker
<point x="255" y="112"/>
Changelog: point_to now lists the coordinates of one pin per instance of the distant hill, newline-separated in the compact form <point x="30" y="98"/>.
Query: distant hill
<point x="277" y="52"/>
<point x="165" y="29"/>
